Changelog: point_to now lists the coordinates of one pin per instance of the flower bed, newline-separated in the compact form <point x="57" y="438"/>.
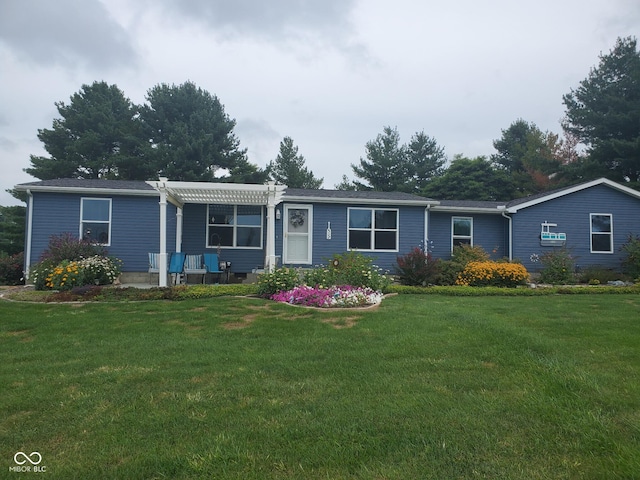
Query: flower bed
<point x="340" y="296"/>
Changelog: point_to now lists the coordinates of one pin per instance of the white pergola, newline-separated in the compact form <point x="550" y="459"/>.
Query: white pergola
<point x="181" y="193"/>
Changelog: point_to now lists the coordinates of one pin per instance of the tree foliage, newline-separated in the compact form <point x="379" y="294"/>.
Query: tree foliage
<point x="604" y="113"/>
<point x="289" y="168"/>
<point x="12" y="229"/>
<point x="391" y="166"/>
<point x="182" y="132"/>
<point x="191" y="135"/>
<point x="97" y="136"/>
<point x="471" y="179"/>
<point x="530" y="156"/>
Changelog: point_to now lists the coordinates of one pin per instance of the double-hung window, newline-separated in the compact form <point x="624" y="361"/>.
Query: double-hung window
<point x="234" y="226"/>
<point x="373" y="229"/>
<point x="601" y="233"/>
<point x="461" y="231"/>
<point x="95" y="220"/>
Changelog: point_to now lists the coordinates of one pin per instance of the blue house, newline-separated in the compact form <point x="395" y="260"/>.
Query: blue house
<point x="257" y="227"/>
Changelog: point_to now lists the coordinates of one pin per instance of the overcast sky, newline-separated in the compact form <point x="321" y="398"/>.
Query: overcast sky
<point x="331" y="74"/>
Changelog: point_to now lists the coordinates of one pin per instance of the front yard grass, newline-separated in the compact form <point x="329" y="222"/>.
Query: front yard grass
<point x="425" y="386"/>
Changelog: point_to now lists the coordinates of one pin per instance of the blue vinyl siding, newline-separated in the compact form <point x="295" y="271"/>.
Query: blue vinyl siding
<point x="571" y="213"/>
<point x="194" y="241"/>
<point x="135" y="225"/>
<point x="410" y="224"/>
<point x="490" y="231"/>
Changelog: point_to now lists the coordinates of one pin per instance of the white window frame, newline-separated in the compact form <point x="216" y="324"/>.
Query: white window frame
<point x="235" y="226"/>
<point x="83" y="221"/>
<point x="592" y="233"/>
<point x="461" y="237"/>
<point x="373" y="229"/>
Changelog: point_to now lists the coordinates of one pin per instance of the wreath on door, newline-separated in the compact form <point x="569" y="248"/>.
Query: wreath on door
<point x="296" y="218"/>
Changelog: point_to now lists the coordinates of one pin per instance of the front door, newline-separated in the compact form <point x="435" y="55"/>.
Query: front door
<point x="298" y="220"/>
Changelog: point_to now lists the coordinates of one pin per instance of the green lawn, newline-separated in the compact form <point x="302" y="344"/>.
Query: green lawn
<point x="424" y="387"/>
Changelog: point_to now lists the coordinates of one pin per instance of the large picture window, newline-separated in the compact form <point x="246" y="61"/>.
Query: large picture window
<point x="461" y="231"/>
<point x="95" y="220"/>
<point x="601" y="233"/>
<point x="373" y="229"/>
<point x="234" y="226"/>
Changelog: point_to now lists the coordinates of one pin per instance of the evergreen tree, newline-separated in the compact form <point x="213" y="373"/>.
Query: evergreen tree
<point x="289" y="168"/>
<point x="97" y="136"/>
<point x="604" y="113"/>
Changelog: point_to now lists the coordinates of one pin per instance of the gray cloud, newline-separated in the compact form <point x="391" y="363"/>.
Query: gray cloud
<point x="327" y="20"/>
<point x="65" y="32"/>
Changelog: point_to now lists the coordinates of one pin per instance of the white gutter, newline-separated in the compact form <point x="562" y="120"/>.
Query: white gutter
<point x="503" y="210"/>
<point x="27" y="256"/>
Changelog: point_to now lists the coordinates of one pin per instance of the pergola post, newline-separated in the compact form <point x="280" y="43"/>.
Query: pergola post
<point x="162" y="260"/>
<point x="270" y="247"/>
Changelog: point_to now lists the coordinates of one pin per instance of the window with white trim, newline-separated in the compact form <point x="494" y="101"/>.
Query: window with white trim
<point x="95" y="220"/>
<point x="237" y="226"/>
<point x="461" y="231"/>
<point x="372" y="229"/>
<point x="601" y="232"/>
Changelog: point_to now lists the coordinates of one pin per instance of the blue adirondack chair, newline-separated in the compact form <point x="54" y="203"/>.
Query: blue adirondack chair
<point x="176" y="266"/>
<point x="212" y="264"/>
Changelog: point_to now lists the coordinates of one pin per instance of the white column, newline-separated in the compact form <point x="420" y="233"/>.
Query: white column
<point x="270" y="257"/>
<point x="179" y="230"/>
<point x="162" y="260"/>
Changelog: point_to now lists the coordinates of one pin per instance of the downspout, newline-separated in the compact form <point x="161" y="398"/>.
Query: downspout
<point x="427" y="218"/>
<point x="27" y="248"/>
<point x="504" y="214"/>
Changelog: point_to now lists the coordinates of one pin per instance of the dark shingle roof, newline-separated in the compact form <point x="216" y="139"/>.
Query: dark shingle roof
<point x="88" y="183"/>
<point x="355" y="195"/>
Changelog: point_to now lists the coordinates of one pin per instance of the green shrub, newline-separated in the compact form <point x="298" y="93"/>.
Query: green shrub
<point x="557" y="267"/>
<point x="596" y="275"/>
<point x="350" y="268"/>
<point x="462" y="255"/>
<point x="98" y="270"/>
<point x="631" y="261"/>
<point x="11" y="268"/>
<point x="280" y="280"/>
<point x="418" y="268"/>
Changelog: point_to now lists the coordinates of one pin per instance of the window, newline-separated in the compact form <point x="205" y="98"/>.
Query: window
<point x="234" y="226"/>
<point x="95" y="220"/>
<point x="601" y="233"/>
<point x="373" y="229"/>
<point x="461" y="231"/>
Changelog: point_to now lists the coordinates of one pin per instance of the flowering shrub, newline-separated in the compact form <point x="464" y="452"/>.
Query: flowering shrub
<point x="279" y="280"/>
<point x="11" y="268"/>
<point x="99" y="270"/>
<point x="351" y="268"/>
<point x="418" y="268"/>
<point x="461" y="256"/>
<point x="496" y="274"/>
<point x="557" y="267"/>
<point x="343" y="296"/>
<point x="69" y="247"/>
<point x="64" y="276"/>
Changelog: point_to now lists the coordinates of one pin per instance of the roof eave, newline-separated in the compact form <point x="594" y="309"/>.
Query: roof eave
<point x="358" y="201"/>
<point x="86" y="190"/>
